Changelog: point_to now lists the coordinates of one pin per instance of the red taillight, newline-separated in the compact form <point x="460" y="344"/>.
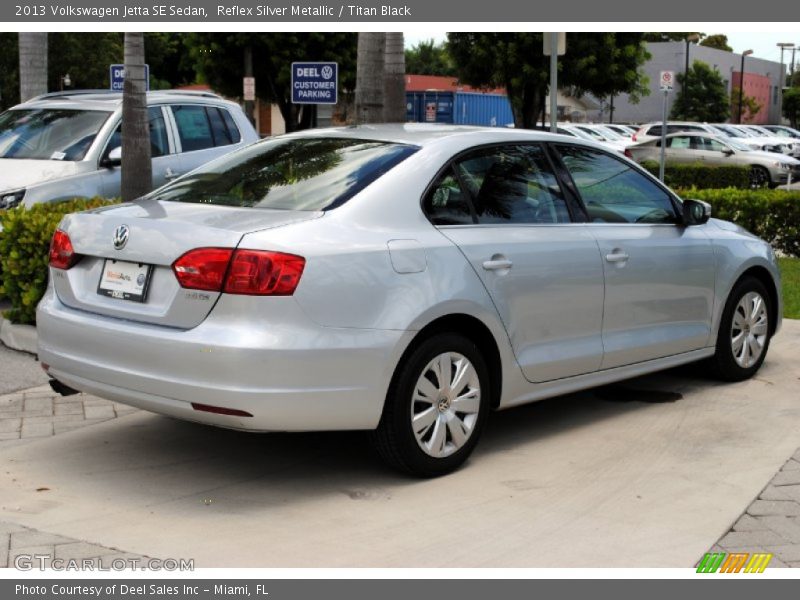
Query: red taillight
<point x="203" y="268"/>
<point x="251" y="272"/>
<point x="62" y="254"/>
<point x="628" y="153"/>
<point x="260" y="273"/>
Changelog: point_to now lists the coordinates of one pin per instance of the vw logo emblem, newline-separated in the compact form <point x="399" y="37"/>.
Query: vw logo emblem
<point x="121" y="234"/>
<point x="327" y="72"/>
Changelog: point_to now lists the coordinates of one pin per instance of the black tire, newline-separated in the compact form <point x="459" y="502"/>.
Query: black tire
<point x="395" y="440"/>
<point x="759" y="177"/>
<point x="724" y="364"/>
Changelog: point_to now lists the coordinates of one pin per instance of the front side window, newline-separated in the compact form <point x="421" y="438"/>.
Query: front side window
<point x="613" y="191"/>
<point x="159" y="142"/>
<point x="289" y="174"/>
<point x="710" y="144"/>
<point x="49" y="134"/>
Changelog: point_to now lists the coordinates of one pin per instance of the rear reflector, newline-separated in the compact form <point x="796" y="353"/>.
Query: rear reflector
<point x="249" y="272"/>
<point x="62" y="254"/>
<point x="219" y="410"/>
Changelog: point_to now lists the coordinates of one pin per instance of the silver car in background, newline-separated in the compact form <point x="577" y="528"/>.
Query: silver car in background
<point x="405" y="280"/>
<point x="67" y="145"/>
<point x="766" y="168"/>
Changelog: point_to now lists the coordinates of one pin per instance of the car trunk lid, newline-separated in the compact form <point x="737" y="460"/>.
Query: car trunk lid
<point x="158" y="234"/>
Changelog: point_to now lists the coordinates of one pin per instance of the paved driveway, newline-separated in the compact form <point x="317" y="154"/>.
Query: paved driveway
<point x="648" y="473"/>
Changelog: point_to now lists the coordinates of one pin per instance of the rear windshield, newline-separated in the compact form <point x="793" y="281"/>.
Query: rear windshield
<point x="291" y="174"/>
<point x="49" y="134"/>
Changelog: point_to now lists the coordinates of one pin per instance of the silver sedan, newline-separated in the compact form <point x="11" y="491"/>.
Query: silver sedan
<point x="405" y="280"/>
<point x="766" y="168"/>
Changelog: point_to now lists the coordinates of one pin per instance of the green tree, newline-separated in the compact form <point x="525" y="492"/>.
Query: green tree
<point x="791" y="106"/>
<point x="718" y="41"/>
<point x="9" y="70"/>
<point x="219" y="60"/>
<point x="603" y="64"/>
<point x="429" y="58"/>
<point x="84" y="56"/>
<point x="750" y="106"/>
<point x="703" y="98"/>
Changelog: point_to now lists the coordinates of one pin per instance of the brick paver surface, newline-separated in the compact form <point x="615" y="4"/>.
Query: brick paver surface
<point x="40" y="412"/>
<point x="772" y="522"/>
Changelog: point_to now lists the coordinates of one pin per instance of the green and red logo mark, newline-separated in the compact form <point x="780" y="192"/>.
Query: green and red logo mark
<point x="735" y="562"/>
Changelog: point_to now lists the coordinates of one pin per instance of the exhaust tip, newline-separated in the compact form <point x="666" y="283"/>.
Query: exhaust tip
<point x="60" y="388"/>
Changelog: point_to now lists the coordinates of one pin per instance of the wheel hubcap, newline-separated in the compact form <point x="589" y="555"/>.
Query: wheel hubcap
<point x="445" y="404"/>
<point x="749" y="329"/>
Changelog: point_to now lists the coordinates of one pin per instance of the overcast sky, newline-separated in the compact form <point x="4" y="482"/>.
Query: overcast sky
<point x="762" y="44"/>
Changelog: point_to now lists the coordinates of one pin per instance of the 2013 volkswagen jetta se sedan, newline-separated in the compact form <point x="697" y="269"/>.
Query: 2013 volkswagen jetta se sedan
<point x="401" y="279"/>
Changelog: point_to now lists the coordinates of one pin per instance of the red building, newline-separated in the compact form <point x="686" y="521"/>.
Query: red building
<point x="755" y="86"/>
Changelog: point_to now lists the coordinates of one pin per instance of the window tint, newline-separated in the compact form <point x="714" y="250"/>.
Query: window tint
<point x="446" y="203"/>
<point x="159" y="143"/>
<point x="679" y="143"/>
<point x="233" y="130"/>
<point x="289" y="174"/>
<point x="194" y="128"/>
<point x="654" y="130"/>
<point x="614" y="192"/>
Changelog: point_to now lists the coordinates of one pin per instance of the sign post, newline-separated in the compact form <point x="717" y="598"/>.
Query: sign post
<point x="116" y="77"/>
<point x="554" y="45"/>
<point x="667" y="82"/>
<point x="315" y="82"/>
<point x="249" y="89"/>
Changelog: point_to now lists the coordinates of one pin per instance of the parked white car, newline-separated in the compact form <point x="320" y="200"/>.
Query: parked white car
<point x="68" y="145"/>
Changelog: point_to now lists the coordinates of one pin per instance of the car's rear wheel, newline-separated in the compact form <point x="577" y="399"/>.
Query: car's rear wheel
<point x="744" y="331"/>
<point x="759" y="177"/>
<point x="436" y="407"/>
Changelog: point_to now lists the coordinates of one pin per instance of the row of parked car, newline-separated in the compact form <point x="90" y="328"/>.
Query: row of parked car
<point x="770" y="151"/>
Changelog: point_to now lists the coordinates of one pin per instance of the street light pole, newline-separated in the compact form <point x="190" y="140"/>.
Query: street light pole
<point x="783" y="46"/>
<point x="692" y="37"/>
<point x="741" y="84"/>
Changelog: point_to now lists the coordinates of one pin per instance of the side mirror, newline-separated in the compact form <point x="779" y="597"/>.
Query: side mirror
<point x="696" y="212"/>
<point x="114" y="158"/>
<point x="727" y="152"/>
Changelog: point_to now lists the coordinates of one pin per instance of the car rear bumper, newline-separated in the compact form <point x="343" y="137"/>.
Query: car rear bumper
<point x="286" y="371"/>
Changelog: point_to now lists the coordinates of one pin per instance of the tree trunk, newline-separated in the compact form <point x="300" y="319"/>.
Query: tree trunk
<point x="370" y="70"/>
<point x="32" y="65"/>
<point x="137" y="169"/>
<point x="395" y="79"/>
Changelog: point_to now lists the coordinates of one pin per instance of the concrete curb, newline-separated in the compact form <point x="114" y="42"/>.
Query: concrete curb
<point x="18" y="337"/>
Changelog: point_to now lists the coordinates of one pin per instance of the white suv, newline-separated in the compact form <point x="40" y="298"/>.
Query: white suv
<point x="65" y="145"/>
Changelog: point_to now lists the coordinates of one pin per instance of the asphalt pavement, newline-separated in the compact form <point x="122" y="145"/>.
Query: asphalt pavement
<point x="651" y="472"/>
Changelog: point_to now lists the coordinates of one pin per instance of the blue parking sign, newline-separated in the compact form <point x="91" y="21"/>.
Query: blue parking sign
<point x="116" y="77"/>
<point x="315" y="82"/>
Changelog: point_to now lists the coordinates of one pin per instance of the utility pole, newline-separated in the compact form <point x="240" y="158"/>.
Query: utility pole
<point x="692" y="37"/>
<point x="249" y="105"/>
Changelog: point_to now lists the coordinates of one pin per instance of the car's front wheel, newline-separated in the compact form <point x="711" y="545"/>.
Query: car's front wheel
<point x="744" y="331"/>
<point x="759" y="177"/>
<point x="436" y="407"/>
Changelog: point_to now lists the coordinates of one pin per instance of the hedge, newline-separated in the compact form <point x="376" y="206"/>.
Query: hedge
<point x="773" y="215"/>
<point x="24" y="249"/>
<point x="702" y="176"/>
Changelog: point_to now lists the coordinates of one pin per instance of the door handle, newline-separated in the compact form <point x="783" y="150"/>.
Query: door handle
<point x="170" y="174"/>
<point x="497" y="264"/>
<point x="616" y="256"/>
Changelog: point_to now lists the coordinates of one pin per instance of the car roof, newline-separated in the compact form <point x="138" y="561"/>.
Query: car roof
<point x="423" y="134"/>
<point x="110" y="101"/>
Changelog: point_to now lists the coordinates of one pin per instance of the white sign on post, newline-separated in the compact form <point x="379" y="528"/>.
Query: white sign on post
<point x="667" y="80"/>
<point x="547" y="43"/>
<point x="249" y="89"/>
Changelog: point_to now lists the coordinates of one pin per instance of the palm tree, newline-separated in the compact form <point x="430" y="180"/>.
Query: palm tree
<point x="395" y="79"/>
<point x="137" y="178"/>
<point x="32" y="64"/>
<point x="370" y="70"/>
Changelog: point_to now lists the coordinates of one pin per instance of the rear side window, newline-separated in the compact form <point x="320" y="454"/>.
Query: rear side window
<point x="289" y="174"/>
<point x="499" y="185"/>
<point x="614" y="192"/>
<point x="194" y="128"/>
